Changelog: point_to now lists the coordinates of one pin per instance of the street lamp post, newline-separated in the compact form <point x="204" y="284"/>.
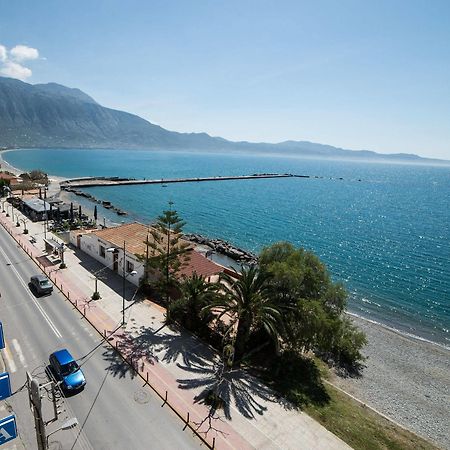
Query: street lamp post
<point x="45" y="215"/>
<point x="124" y="277"/>
<point x="67" y="425"/>
<point x="96" y="294"/>
<point x="25" y="230"/>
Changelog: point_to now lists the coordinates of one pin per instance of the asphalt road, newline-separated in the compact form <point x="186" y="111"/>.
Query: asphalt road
<point x="114" y="410"/>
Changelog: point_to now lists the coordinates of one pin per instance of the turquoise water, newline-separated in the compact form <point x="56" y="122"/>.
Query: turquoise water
<point x="383" y="229"/>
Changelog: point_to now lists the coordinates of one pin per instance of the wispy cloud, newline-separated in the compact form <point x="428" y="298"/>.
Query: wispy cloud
<point x="11" y="61"/>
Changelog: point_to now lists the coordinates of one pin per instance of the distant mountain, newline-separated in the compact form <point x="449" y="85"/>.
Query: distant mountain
<point x="52" y="115"/>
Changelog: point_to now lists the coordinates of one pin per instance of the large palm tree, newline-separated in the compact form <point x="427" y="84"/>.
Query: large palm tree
<point x="196" y="295"/>
<point x="247" y="303"/>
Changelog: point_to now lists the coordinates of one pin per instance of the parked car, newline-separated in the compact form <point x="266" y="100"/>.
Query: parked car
<point x="41" y="284"/>
<point x="67" y="371"/>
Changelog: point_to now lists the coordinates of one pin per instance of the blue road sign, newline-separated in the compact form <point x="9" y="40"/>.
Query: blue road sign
<point x="5" y="386"/>
<point x="8" y="429"/>
<point x="2" y="339"/>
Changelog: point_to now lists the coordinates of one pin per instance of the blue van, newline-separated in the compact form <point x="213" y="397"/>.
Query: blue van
<point x="67" y="370"/>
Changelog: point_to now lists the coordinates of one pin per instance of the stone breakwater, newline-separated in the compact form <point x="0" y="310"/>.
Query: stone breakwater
<point x="224" y="248"/>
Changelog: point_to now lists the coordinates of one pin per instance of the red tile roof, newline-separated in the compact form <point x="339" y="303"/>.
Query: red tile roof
<point x="200" y="265"/>
<point x="135" y="234"/>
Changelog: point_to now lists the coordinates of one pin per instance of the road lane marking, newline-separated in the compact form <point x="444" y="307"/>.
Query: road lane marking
<point x="9" y="360"/>
<point x="38" y="306"/>
<point x="18" y="350"/>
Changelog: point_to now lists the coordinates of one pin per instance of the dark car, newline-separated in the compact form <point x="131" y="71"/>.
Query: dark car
<point x="67" y="371"/>
<point x="41" y="284"/>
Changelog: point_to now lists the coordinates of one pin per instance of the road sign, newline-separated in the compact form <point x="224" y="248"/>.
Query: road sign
<point x="5" y="386"/>
<point x="2" y="339"/>
<point x="8" y="429"/>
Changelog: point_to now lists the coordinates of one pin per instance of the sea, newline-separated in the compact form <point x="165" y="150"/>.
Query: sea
<point x="383" y="229"/>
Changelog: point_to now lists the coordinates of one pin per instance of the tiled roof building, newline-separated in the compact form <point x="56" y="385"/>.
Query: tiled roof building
<point x="134" y="235"/>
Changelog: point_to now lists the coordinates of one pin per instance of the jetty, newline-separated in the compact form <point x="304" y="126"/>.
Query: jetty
<point x="68" y="185"/>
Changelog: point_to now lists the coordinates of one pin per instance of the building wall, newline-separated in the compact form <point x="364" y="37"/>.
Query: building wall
<point x="90" y="244"/>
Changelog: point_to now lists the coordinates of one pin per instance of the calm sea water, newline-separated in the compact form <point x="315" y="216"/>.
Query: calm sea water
<point x="384" y="230"/>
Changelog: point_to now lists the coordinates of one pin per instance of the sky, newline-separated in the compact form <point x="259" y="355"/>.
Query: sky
<point x="353" y="74"/>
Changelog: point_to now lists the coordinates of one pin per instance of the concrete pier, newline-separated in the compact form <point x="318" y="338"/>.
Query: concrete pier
<point x="116" y="181"/>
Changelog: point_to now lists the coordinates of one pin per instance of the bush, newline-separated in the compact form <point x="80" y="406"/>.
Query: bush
<point x="297" y="378"/>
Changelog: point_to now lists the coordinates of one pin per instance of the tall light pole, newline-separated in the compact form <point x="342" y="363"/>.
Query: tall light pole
<point x="124" y="277"/>
<point x="96" y="294"/>
<point x="25" y="230"/>
<point x="45" y="216"/>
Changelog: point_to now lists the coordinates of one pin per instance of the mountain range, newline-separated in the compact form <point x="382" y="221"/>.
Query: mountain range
<point x="52" y="115"/>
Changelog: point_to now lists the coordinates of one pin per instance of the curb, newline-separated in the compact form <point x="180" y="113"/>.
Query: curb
<point x="83" y="312"/>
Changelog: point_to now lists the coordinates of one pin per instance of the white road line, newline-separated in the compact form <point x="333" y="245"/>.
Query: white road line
<point x="38" y="306"/>
<point x="9" y="360"/>
<point x="18" y="350"/>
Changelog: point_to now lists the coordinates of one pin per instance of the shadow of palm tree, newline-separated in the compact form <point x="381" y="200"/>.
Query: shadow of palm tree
<point x="207" y="373"/>
<point x="143" y="344"/>
<point x="232" y="387"/>
<point x="134" y="350"/>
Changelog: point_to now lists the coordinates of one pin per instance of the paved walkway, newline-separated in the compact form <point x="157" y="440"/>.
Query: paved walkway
<point x="177" y="366"/>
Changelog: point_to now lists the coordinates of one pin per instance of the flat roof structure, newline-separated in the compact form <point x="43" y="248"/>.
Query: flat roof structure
<point x="37" y="204"/>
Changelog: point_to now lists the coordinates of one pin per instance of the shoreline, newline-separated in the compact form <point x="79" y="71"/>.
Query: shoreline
<point x="403" y="334"/>
<point x="6" y="166"/>
<point x="404" y="378"/>
<point x="56" y="191"/>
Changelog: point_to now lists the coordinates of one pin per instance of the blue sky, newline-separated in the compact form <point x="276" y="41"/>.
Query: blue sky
<point x="355" y="74"/>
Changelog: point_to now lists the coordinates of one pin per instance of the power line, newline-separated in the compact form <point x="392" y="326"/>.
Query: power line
<point x="90" y="409"/>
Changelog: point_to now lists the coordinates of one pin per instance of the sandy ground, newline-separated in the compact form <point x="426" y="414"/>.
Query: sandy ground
<point x="406" y="379"/>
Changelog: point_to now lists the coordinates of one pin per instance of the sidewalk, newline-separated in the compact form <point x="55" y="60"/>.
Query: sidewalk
<point x="177" y="366"/>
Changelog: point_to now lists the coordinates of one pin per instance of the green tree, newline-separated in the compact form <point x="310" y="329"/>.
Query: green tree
<point x="196" y="294"/>
<point x="312" y="304"/>
<point x="247" y="304"/>
<point x="166" y="252"/>
<point x="3" y="185"/>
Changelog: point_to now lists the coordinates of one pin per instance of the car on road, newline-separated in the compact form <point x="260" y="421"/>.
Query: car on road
<point x="41" y="284"/>
<point x="67" y="371"/>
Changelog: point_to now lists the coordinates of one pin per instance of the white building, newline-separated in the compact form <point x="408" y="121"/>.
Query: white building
<point x="109" y="246"/>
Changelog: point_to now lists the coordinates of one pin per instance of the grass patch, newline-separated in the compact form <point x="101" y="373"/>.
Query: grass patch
<point x="361" y="427"/>
<point x="300" y="380"/>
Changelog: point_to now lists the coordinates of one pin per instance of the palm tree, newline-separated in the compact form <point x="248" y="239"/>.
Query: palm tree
<point x="196" y="295"/>
<point x="247" y="302"/>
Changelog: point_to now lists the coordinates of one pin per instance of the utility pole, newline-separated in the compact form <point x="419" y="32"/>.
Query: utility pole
<point x="36" y="407"/>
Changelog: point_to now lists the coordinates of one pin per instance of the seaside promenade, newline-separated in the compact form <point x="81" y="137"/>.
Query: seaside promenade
<point x="172" y="363"/>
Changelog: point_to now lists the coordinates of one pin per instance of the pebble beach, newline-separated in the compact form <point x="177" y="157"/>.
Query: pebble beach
<point x="406" y="379"/>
